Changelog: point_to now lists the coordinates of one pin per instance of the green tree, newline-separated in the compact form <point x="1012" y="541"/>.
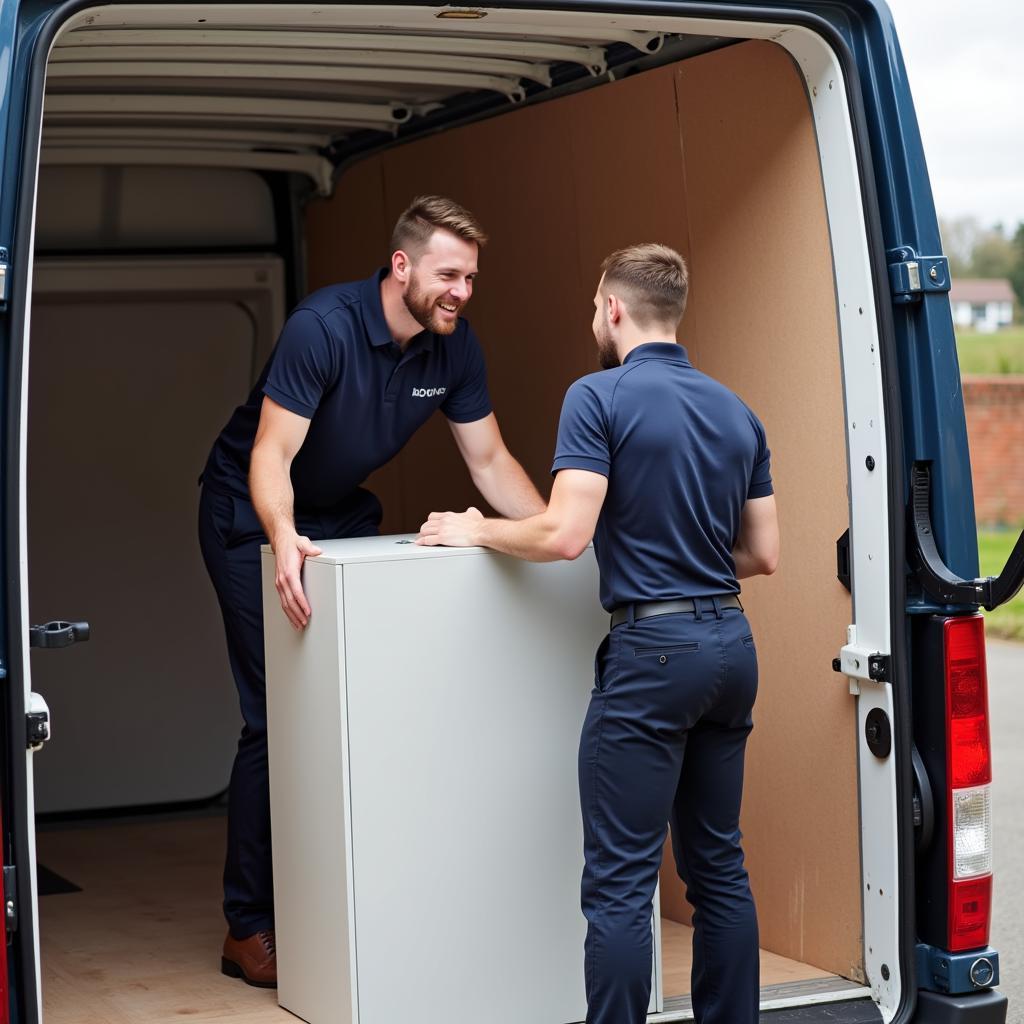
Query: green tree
<point x="993" y="255"/>
<point x="1016" y="274"/>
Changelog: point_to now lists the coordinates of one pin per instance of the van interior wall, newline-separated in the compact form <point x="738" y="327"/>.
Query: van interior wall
<point x="717" y="157"/>
<point x="136" y="364"/>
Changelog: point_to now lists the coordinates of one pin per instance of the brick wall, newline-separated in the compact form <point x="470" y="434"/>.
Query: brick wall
<point x="995" y="429"/>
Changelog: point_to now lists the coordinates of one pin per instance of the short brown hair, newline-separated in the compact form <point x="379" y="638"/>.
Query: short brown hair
<point x="653" y="281"/>
<point x="425" y="215"/>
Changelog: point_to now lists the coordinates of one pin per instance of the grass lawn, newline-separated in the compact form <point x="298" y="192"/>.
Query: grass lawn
<point x="994" y="547"/>
<point x="1002" y="352"/>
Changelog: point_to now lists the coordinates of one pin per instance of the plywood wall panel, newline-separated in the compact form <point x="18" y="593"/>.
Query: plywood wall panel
<point x="629" y="180"/>
<point x="347" y="237"/>
<point x="764" y="299"/>
<point x="717" y="157"/>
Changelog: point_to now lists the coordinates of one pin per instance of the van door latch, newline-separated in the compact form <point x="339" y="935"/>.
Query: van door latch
<point x="37" y="723"/>
<point x="5" y="273"/>
<point x="10" y="898"/>
<point x="911" y="275"/>
<point x="58" y="634"/>
<point x="859" y="662"/>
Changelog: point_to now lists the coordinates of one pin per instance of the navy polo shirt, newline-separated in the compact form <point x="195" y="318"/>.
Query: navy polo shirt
<point x="682" y="454"/>
<point x="336" y="364"/>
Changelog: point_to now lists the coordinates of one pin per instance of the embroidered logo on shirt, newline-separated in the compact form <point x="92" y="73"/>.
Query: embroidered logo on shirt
<point x="427" y="392"/>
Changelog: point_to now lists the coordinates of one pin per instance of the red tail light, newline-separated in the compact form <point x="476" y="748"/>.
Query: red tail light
<point x="970" y="909"/>
<point x="969" y="773"/>
<point x="970" y="760"/>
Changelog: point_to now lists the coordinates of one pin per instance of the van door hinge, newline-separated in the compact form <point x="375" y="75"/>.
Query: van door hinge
<point x="911" y="275"/>
<point x="37" y="722"/>
<point x="11" y="898"/>
<point x="859" y="662"/>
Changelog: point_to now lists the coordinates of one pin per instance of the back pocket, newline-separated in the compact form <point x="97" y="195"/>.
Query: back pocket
<point x="664" y="652"/>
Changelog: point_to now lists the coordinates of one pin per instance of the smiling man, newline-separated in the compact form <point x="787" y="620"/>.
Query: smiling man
<point x="668" y="472"/>
<point x="357" y="369"/>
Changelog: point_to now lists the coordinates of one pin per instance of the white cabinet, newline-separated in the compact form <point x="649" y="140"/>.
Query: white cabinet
<point x="423" y="739"/>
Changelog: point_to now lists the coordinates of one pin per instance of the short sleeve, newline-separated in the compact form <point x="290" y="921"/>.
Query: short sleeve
<point x="761" y="475"/>
<point x="583" y="441"/>
<point x="304" y="364"/>
<point x="469" y="400"/>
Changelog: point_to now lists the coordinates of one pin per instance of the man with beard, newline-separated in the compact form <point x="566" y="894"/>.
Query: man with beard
<point x="357" y="369"/>
<point x="668" y="472"/>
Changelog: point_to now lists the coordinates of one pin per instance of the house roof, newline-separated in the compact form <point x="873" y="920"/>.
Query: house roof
<point x="979" y="290"/>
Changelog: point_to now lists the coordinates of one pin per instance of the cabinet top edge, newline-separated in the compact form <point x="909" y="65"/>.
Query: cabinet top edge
<point x="347" y="550"/>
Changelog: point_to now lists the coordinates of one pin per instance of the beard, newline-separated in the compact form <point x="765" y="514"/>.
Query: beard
<point x="607" y="354"/>
<point x="424" y="310"/>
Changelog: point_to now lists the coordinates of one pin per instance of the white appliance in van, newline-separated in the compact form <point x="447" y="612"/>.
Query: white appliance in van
<point x="423" y="741"/>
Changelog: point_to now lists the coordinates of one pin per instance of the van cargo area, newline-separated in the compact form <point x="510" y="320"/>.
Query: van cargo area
<point x="188" y="197"/>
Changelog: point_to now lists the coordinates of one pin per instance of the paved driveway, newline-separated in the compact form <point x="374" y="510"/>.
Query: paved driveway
<point x="1006" y="706"/>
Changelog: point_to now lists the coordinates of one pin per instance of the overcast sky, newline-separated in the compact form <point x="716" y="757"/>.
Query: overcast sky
<point x="965" y="62"/>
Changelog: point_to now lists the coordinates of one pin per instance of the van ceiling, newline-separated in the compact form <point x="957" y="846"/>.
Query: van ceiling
<point x="300" y="89"/>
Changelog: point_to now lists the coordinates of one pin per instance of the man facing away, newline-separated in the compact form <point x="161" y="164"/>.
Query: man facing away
<point x="668" y="472"/>
<point x="357" y="369"/>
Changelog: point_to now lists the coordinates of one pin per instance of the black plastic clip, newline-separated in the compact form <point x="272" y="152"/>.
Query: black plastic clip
<point x="58" y="634"/>
<point x="879" y="668"/>
<point x="843" y="559"/>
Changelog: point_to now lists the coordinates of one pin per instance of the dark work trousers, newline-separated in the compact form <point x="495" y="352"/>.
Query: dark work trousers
<point x="230" y="536"/>
<point x="663" y="742"/>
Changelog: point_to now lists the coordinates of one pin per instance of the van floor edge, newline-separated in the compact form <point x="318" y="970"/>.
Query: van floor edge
<point x="140" y="944"/>
<point x="796" y="1003"/>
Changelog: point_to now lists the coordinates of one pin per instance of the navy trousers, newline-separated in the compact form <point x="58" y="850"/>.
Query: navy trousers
<point x="663" y="742"/>
<point x="230" y="536"/>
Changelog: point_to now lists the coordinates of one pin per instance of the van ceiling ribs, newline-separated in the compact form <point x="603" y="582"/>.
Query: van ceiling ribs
<point x="291" y="87"/>
<point x="590" y="57"/>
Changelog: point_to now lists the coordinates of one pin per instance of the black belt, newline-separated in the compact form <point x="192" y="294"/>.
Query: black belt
<point x="647" y="609"/>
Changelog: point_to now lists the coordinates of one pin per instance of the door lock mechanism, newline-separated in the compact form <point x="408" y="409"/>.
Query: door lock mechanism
<point x="37" y="722"/>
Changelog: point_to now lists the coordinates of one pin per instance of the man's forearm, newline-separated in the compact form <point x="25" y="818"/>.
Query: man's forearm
<point x="745" y="564"/>
<point x="507" y="489"/>
<point x="748" y="564"/>
<point x="536" y="539"/>
<point x="270" y="488"/>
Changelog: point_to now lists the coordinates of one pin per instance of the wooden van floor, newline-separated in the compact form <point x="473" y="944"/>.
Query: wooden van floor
<point x="140" y="944"/>
<point x="677" y="956"/>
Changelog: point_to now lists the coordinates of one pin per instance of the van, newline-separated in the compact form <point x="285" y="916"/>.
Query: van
<point x="177" y="175"/>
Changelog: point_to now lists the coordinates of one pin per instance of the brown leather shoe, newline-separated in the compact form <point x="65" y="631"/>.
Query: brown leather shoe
<point x="254" y="959"/>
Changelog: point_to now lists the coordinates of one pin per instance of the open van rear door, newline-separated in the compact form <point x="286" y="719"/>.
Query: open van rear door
<point x="24" y="717"/>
